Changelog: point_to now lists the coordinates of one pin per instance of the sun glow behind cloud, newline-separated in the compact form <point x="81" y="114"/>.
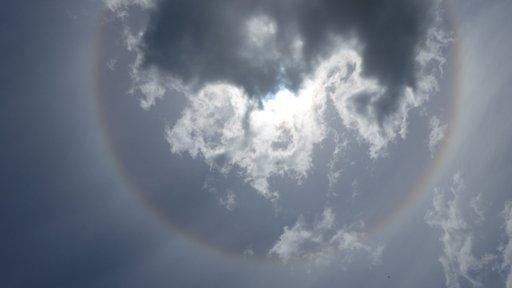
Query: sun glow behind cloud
<point x="239" y="128"/>
<point x="229" y="127"/>
<point x="276" y="136"/>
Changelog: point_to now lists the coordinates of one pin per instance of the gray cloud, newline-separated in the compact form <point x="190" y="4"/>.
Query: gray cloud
<point x="261" y="45"/>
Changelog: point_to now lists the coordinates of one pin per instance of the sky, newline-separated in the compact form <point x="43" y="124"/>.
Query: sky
<point x="170" y="143"/>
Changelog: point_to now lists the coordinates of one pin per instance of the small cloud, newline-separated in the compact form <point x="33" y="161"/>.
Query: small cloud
<point x="120" y="7"/>
<point x="261" y="30"/>
<point x="228" y="201"/>
<point x="321" y="243"/>
<point x="226" y="128"/>
<point x="248" y="253"/>
<point x="152" y="89"/>
<point x="111" y="64"/>
<point x="335" y="172"/>
<point x="476" y="204"/>
<point x="437" y="133"/>
<point x="225" y="197"/>
<point x="507" y="249"/>
<point x="355" y="189"/>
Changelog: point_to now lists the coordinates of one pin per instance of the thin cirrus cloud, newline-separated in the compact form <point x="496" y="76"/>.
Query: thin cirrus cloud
<point x="460" y="264"/>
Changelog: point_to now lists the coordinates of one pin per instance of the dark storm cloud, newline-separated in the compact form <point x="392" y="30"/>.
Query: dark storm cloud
<point x="205" y="41"/>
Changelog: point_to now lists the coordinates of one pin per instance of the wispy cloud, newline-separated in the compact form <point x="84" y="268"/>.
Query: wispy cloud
<point x="437" y="133"/>
<point x="459" y="263"/>
<point x="507" y="249"/>
<point x="225" y="197"/>
<point x="322" y="243"/>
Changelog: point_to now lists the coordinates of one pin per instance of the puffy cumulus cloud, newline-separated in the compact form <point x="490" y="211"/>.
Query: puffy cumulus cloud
<point x="461" y="266"/>
<point x="321" y="243"/>
<point x="437" y="133"/>
<point x="507" y="249"/>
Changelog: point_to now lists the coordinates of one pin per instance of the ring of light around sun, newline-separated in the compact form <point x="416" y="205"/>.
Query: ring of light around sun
<point x="264" y="129"/>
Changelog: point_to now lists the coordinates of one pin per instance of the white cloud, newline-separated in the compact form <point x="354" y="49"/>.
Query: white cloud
<point x="149" y="82"/>
<point x="152" y="89"/>
<point x="431" y="58"/>
<point x="507" y="249"/>
<point x="335" y="172"/>
<point x="260" y="40"/>
<point x="321" y="243"/>
<point x="347" y="88"/>
<point x="226" y="128"/>
<point x="437" y="133"/>
<point x="261" y="30"/>
<point x="248" y="253"/>
<point x="458" y="261"/>
<point x="120" y="6"/>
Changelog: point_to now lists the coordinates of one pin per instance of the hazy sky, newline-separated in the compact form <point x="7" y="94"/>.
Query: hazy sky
<point x="231" y="143"/>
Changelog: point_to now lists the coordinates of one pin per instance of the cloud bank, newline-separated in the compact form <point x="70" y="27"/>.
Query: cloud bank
<point x="260" y="45"/>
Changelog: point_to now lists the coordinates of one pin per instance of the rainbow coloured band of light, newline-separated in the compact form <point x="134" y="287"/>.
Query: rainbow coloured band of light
<point x="383" y="226"/>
